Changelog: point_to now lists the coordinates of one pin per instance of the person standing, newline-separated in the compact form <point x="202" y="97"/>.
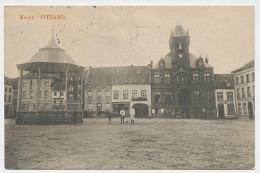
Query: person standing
<point x="109" y="117"/>
<point x="132" y="115"/>
<point x="122" y="114"/>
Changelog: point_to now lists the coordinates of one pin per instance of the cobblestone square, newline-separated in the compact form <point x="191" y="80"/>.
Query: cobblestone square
<point x="148" y="144"/>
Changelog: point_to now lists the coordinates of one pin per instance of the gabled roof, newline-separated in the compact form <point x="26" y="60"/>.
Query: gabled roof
<point x="125" y="75"/>
<point x="222" y="80"/>
<point x="168" y="61"/>
<point x="246" y="66"/>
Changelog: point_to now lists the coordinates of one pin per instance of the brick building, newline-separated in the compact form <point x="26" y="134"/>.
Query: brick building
<point x="182" y="84"/>
<point x="245" y="89"/>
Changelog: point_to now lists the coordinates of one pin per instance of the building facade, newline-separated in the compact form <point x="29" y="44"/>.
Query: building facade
<point x="244" y="78"/>
<point x="225" y="96"/>
<point x="182" y="84"/>
<point x="110" y="89"/>
<point x="98" y="90"/>
<point x="10" y="98"/>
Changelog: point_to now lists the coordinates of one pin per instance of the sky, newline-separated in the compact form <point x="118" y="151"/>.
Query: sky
<point x="121" y="36"/>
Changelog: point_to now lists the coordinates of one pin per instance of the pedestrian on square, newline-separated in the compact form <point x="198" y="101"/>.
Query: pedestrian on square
<point x="132" y="116"/>
<point x="122" y="114"/>
<point x="109" y="117"/>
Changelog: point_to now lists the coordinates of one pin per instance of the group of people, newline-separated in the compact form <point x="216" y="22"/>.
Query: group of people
<point x="129" y="117"/>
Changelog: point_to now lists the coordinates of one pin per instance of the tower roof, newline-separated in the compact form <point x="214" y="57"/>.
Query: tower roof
<point x="51" y="53"/>
<point x="179" y="31"/>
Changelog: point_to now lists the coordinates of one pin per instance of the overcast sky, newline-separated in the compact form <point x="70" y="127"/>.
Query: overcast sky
<point x="121" y="36"/>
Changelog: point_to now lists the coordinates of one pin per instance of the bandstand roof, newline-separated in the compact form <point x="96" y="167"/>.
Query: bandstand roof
<point x="51" y="58"/>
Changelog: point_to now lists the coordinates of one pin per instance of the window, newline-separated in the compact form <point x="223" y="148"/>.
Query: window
<point x="143" y="93"/>
<point x="237" y="80"/>
<point x="46" y="94"/>
<point x="24" y="94"/>
<point x="89" y="94"/>
<point x="125" y="94"/>
<point x="220" y="96"/>
<point x="24" y="84"/>
<point x="108" y="107"/>
<point x="6" y="89"/>
<point x="99" y="107"/>
<point x="195" y="77"/>
<point x="248" y="92"/>
<point x="238" y="93"/>
<point x="196" y="95"/>
<point x="71" y="87"/>
<point x="107" y="94"/>
<point x="206" y="77"/>
<point x="31" y="85"/>
<point x="71" y="97"/>
<point x="61" y="94"/>
<point x="78" y="97"/>
<point x="243" y="93"/>
<point x="231" y="109"/>
<point x="239" y="109"/>
<point x="46" y="83"/>
<point x="245" y="108"/>
<point x="31" y="94"/>
<point x="229" y="96"/>
<point x="242" y="79"/>
<point x="55" y="93"/>
<point x="167" y="78"/>
<point x="71" y="77"/>
<point x="168" y="96"/>
<point x="10" y="90"/>
<point x="5" y="98"/>
<point x="247" y="78"/>
<point x="10" y="98"/>
<point x="89" y="107"/>
<point x="156" y="78"/>
<point x="116" y="94"/>
<point x="134" y="94"/>
<point x="99" y="94"/>
<point x="157" y="96"/>
<point x="253" y="76"/>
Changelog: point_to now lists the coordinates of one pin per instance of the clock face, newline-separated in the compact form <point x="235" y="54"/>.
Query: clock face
<point x="180" y="55"/>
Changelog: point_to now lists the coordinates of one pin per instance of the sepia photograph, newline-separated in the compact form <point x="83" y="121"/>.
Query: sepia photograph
<point x="129" y="88"/>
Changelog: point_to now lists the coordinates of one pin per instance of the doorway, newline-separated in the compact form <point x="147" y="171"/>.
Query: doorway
<point x="141" y="110"/>
<point x="250" y="110"/>
<point x="221" y="113"/>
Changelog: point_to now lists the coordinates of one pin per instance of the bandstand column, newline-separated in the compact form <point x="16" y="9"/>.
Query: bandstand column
<point x="19" y="100"/>
<point x="38" y="88"/>
<point x="66" y="88"/>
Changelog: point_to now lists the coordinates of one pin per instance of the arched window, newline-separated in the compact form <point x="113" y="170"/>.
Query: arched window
<point x="196" y="95"/>
<point x="206" y="77"/>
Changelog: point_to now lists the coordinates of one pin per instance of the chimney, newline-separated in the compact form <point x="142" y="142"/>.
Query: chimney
<point x="151" y="64"/>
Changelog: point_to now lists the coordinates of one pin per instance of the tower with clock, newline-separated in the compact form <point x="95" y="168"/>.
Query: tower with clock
<point x="182" y="84"/>
<point x="179" y="45"/>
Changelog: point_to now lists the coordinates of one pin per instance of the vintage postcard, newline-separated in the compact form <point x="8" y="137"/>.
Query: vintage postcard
<point x="129" y="87"/>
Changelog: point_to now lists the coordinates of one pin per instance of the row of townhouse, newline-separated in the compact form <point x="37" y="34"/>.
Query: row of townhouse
<point x="180" y="85"/>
